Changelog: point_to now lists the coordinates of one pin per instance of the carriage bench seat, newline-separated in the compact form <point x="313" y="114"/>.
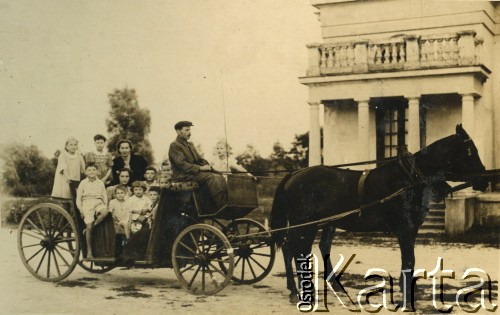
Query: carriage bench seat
<point x="184" y="186"/>
<point x="242" y="198"/>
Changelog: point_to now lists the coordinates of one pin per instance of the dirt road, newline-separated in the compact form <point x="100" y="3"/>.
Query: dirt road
<point x="141" y="291"/>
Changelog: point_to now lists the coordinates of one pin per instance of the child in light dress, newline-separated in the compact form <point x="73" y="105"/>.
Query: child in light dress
<point x="70" y="166"/>
<point x="224" y="163"/>
<point x="91" y="200"/>
<point x="120" y="209"/>
<point x="140" y="205"/>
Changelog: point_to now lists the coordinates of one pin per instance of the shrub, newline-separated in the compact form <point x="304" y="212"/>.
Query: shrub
<point x="26" y="171"/>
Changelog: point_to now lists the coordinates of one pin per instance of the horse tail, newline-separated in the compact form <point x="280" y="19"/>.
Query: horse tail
<point x="279" y="215"/>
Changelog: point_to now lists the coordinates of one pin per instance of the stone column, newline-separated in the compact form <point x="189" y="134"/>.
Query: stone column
<point x="363" y="130"/>
<point x="468" y="114"/>
<point x="314" y="135"/>
<point x="413" y="124"/>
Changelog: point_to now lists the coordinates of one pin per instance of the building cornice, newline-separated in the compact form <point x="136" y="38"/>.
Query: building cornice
<point x="481" y="71"/>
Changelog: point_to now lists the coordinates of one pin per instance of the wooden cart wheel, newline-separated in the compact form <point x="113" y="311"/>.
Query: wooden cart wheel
<point x="215" y="223"/>
<point x="48" y="242"/>
<point x="198" y="253"/>
<point x="254" y="255"/>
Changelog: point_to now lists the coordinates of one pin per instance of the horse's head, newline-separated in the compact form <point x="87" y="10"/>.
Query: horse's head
<point x="464" y="163"/>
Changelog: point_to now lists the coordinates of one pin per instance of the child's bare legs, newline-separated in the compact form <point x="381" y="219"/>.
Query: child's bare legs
<point x="126" y="228"/>
<point x="102" y="215"/>
<point x="88" y="238"/>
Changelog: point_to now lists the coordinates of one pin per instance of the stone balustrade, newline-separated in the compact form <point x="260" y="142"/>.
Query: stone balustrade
<point x="400" y="53"/>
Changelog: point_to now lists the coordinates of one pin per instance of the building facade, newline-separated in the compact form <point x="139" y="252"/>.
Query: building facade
<point x="403" y="73"/>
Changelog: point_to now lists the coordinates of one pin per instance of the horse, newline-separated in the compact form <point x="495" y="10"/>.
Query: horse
<point x="404" y="184"/>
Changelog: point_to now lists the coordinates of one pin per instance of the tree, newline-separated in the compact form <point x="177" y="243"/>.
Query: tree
<point x="129" y="121"/>
<point x="251" y="160"/>
<point x="281" y="159"/>
<point x="26" y="171"/>
<point x="300" y="148"/>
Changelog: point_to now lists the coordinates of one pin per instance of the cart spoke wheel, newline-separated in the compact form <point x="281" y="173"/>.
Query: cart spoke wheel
<point x="48" y="242"/>
<point x="254" y="255"/>
<point x="215" y="223"/>
<point x="202" y="259"/>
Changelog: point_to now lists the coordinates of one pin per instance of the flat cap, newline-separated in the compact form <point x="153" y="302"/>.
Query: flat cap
<point x="183" y="123"/>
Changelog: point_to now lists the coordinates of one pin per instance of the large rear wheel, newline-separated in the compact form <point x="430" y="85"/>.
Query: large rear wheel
<point x="197" y="256"/>
<point x="48" y="242"/>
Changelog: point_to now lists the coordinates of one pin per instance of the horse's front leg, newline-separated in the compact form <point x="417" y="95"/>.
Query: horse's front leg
<point x="325" y="245"/>
<point x="406" y="239"/>
<point x="290" y="281"/>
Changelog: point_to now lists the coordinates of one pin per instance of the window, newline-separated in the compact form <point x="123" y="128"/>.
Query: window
<point x="391" y="120"/>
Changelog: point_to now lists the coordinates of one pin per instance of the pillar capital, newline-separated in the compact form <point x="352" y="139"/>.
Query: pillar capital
<point x="469" y="96"/>
<point x="313" y="103"/>
<point x="413" y="97"/>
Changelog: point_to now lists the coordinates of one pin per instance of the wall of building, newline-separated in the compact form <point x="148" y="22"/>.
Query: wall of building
<point x="495" y="102"/>
<point x="354" y="19"/>
<point x="340" y="134"/>
<point x="444" y="112"/>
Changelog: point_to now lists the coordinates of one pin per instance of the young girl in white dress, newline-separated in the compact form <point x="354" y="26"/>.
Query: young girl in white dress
<point x="70" y="166"/>
<point x="223" y="162"/>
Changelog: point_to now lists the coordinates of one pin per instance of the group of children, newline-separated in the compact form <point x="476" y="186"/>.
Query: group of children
<point x="132" y="208"/>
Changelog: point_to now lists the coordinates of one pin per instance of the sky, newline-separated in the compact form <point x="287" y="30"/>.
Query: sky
<point x="229" y="66"/>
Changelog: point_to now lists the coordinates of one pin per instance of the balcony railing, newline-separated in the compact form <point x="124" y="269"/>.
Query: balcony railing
<point x="401" y="53"/>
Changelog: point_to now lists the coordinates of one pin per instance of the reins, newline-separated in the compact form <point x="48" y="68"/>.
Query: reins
<point x="381" y="161"/>
<point x="327" y="219"/>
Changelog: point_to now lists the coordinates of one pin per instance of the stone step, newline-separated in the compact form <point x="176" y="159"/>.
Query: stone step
<point x="436" y="206"/>
<point x="430" y="231"/>
<point x="437" y="213"/>
<point x="433" y="225"/>
<point x="438" y="219"/>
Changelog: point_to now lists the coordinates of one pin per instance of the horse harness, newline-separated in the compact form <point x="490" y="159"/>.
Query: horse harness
<point x="407" y="163"/>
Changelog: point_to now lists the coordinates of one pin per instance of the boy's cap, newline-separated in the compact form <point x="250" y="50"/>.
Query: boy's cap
<point x="182" y="124"/>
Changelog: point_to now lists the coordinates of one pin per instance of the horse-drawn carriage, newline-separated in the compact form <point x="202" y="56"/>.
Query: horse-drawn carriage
<point x="208" y="249"/>
<point x="205" y="248"/>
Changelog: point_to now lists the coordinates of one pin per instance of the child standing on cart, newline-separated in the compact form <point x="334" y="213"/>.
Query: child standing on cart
<point x="140" y="205"/>
<point x="103" y="160"/>
<point x="91" y="199"/>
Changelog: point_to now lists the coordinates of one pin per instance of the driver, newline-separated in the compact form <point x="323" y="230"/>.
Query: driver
<point x="188" y="165"/>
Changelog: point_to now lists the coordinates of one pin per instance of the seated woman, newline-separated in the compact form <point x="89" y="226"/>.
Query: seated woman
<point x="123" y="180"/>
